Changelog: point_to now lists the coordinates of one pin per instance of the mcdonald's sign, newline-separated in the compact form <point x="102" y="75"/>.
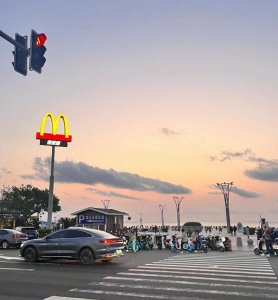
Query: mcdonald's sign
<point x="54" y="139"/>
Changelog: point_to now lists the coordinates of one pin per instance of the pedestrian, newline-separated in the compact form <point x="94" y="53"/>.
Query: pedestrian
<point x="264" y="224"/>
<point x="268" y="241"/>
<point x="259" y="233"/>
<point x="133" y="240"/>
<point x="235" y="229"/>
<point x="193" y="239"/>
<point x="184" y="238"/>
<point x="231" y="230"/>
<point x="247" y="231"/>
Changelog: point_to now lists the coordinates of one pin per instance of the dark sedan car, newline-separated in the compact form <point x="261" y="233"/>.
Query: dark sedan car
<point x="80" y="243"/>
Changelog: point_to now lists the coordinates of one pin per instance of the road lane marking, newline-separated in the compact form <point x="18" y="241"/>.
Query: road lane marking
<point x="184" y="282"/>
<point x="209" y="268"/>
<point x="201" y="278"/>
<point x="65" y="298"/>
<point x="17" y="269"/>
<point x="129" y="294"/>
<point x="11" y="257"/>
<point x="203" y="272"/>
<point x="188" y="290"/>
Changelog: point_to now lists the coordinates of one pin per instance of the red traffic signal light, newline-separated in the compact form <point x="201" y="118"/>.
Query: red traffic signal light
<point x="40" y="39"/>
<point x="37" y="50"/>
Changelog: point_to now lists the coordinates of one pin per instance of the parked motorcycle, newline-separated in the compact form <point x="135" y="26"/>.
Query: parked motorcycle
<point x="199" y="245"/>
<point x="158" y="240"/>
<point x="215" y="243"/>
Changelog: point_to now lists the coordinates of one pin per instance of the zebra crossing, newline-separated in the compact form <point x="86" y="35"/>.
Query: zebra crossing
<point x="233" y="275"/>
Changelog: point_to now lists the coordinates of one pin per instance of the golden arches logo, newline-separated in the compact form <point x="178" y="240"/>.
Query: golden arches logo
<point x="55" y="123"/>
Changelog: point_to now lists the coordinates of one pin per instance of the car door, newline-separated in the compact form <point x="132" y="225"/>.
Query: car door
<point x="72" y="242"/>
<point x="51" y="244"/>
<point x="3" y="235"/>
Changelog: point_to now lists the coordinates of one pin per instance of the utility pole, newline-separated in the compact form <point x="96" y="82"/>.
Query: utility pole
<point x="225" y="188"/>
<point x="178" y="201"/>
<point x="161" y="207"/>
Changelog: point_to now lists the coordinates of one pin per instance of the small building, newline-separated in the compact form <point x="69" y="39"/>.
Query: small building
<point x="105" y="219"/>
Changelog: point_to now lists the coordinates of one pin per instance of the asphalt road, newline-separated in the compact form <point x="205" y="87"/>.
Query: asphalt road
<point x="155" y="274"/>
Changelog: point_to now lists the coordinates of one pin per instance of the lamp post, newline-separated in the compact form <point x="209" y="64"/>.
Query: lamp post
<point x="225" y="188"/>
<point x="161" y="207"/>
<point x="105" y="203"/>
<point x="178" y="201"/>
<point x="141" y="220"/>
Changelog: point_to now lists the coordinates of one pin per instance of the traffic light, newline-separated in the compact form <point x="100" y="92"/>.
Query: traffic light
<point x="37" y="50"/>
<point x="20" y="56"/>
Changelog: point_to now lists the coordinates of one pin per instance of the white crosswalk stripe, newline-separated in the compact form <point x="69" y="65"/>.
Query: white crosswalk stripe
<point x="196" y="277"/>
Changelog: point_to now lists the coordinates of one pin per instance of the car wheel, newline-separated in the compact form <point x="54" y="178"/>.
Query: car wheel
<point x="86" y="257"/>
<point x="5" y="245"/>
<point x="30" y="254"/>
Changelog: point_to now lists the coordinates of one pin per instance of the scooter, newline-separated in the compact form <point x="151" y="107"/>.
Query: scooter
<point x="200" y="245"/>
<point x="261" y="247"/>
<point x="215" y="243"/>
<point x="175" y="246"/>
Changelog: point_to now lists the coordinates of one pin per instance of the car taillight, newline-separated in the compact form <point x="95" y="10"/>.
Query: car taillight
<point x="110" y="241"/>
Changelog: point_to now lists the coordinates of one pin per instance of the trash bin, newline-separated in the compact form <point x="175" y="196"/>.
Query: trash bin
<point x="239" y="241"/>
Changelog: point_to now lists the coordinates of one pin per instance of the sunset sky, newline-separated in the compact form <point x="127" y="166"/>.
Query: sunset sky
<point x="163" y="98"/>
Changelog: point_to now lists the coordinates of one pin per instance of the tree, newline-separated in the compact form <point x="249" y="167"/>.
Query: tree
<point x="67" y="222"/>
<point x="24" y="201"/>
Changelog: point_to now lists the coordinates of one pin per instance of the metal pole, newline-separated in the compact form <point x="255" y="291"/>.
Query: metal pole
<point x="178" y="201"/>
<point x="51" y="188"/>
<point x="225" y="188"/>
<point x="141" y="220"/>
<point x="161" y="211"/>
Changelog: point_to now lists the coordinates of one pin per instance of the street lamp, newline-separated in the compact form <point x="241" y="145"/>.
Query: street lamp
<point x="141" y="220"/>
<point x="225" y="188"/>
<point x="178" y="201"/>
<point x="105" y="203"/>
<point x="162" y="206"/>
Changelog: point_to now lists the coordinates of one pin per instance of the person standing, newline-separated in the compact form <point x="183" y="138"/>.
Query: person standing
<point x="268" y="241"/>
<point x="235" y="229"/>
<point x="184" y="238"/>
<point x="231" y="230"/>
<point x="247" y="231"/>
<point x="264" y="224"/>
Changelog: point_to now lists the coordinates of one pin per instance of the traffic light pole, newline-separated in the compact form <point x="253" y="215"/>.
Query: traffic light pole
<point x="14" y="42"/>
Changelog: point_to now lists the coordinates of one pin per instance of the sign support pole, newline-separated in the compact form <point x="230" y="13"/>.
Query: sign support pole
<point x="51" y="188"/>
